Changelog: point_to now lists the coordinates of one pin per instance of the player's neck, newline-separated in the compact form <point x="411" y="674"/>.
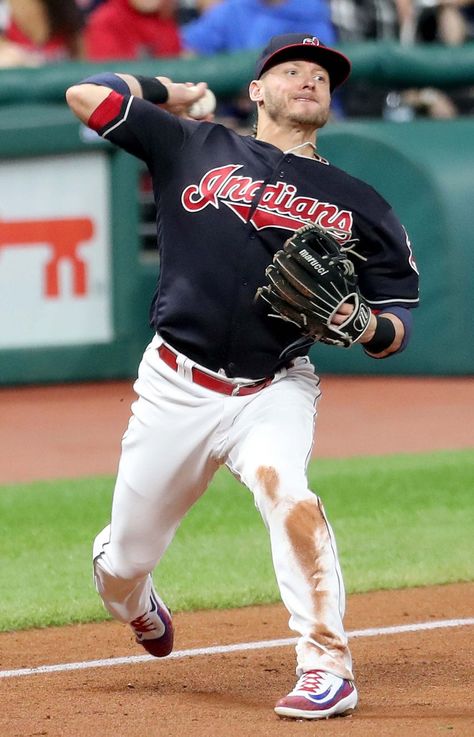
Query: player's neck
<point x="305" y="149"/>
<point x="299" y="141"/>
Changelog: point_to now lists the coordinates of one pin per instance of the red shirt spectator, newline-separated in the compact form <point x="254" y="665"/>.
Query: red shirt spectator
<point x="40" y="31"/>
<point x="55" y="49"/>
<point x="131" y="29"/>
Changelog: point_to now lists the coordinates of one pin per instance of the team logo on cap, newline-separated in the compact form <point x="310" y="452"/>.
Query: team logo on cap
<point x="311" y="40"/>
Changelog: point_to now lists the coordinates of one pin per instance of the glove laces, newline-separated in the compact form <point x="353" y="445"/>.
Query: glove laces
<point x="347" y="264"/>
<point x="349" y="247"/>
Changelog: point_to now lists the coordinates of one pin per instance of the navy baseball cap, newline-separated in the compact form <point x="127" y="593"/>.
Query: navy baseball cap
<point x="292" y="46"/>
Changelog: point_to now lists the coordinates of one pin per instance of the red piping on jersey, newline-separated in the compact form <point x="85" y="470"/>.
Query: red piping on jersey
<point x="107" y="111"/>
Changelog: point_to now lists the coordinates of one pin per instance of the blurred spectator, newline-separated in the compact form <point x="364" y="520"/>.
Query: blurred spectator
<point x="189" y="10"/>
<point x="357" y="21"/>
<point x="87" y="6"/>
<point x="428" y="102"/>
<point x="4" y="14"/>
<point x="361" y="20"/>
<point x="468" y="13"/>
<point x="387" y="20"/>
<point x="36" y="32"/>
<point x="446" y="21"/>
<point x="132" y="29"/>
<point x="236" y="25"/>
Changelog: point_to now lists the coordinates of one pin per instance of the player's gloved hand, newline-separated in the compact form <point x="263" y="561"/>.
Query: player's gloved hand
<point x="312" y="283"/>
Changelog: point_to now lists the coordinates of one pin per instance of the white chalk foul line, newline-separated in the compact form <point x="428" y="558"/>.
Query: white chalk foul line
<point x="220" y="649"/>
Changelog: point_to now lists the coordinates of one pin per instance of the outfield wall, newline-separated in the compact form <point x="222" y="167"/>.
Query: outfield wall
<point x="75" y="286"/>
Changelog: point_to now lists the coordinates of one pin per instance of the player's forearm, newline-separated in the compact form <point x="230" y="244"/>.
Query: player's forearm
<point x="177" y="98"/>
<point x="85" y="97"/>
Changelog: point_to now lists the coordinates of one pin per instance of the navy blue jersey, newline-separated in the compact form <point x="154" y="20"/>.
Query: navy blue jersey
<point x="225" y="204"/>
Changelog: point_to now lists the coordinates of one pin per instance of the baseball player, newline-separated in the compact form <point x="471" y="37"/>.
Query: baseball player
<point x="223" y="381"/>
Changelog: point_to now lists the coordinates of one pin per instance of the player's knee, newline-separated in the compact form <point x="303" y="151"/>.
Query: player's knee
<point x="115" y="567"/>
<point x="280" y="486"/>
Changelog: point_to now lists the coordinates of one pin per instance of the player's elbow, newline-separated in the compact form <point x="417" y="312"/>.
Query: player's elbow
<point x="83" y="99"/>
<point x="75" y="98"/>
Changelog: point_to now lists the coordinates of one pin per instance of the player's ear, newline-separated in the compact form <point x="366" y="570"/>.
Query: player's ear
<point x="255" y="91"/>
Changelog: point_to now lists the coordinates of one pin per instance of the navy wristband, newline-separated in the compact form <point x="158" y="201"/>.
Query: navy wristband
<point x="152" y="89"/>
<point x="405" y="315"/>
<point x="109" y="79"/>
<point x="383" y="337"/>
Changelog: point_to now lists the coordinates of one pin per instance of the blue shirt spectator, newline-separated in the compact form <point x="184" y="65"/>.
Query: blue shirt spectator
<point x="237" y="25"/>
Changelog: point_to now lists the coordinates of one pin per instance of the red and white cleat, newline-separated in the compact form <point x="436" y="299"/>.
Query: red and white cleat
<point x="154" y="629"/>
<point x="318" y="695"/>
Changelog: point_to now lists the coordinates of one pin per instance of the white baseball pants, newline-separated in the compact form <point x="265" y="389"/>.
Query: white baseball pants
<point x="177" y="437"/>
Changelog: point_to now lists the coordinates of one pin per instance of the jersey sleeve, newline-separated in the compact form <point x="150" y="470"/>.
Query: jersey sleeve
<point x="389" y="275"/>
<point x="140" y="128"/>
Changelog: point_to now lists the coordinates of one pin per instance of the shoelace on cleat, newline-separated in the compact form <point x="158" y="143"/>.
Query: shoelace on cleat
<point x="143" y="624"/>
<point x="310" y="681"/>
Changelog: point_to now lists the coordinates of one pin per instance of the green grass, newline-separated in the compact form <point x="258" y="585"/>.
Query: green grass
<point x="399" y="521"/>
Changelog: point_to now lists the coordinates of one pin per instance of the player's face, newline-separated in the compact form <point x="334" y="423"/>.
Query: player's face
<point x="298" y="92"/>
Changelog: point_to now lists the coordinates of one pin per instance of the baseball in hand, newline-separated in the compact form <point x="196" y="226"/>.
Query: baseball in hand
<point x="204" y="106"/>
